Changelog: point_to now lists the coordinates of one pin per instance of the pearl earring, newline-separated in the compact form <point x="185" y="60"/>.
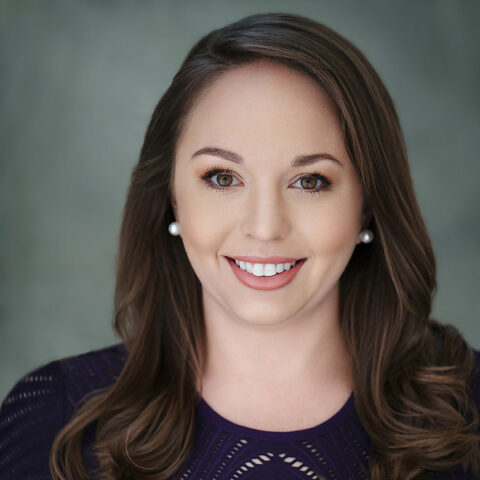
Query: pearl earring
<point x="174" y="228"/>
<point x="366" y="236"/>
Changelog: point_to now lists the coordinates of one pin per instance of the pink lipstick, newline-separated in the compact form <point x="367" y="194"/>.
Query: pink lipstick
<point x="274" y="282"/>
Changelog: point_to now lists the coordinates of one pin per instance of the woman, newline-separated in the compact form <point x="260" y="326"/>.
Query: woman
<point x="274" y="287"/>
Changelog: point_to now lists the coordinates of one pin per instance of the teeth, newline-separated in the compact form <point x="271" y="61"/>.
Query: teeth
<point x="264" y="269"/>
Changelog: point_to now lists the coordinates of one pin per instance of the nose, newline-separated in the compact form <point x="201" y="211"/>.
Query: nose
<point x="266" y="216"/>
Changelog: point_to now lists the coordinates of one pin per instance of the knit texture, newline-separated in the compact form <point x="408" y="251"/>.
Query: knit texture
<point x="44" y="400"/>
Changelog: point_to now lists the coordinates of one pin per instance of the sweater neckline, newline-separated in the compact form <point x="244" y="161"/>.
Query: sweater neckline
<point x="334" y="421"/>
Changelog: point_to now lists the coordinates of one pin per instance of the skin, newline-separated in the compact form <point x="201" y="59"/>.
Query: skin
<point x="268" y="349"/>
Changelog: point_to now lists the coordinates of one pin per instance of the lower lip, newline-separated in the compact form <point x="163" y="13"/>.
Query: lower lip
<point x="266" y="283"/>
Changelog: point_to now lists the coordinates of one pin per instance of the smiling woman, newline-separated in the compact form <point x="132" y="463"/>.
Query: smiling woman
<point x="274" y="290"/>
<point x="267" y="209"/>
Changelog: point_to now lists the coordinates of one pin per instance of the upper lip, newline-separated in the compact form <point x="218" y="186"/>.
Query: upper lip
<point x="274" y="259"/>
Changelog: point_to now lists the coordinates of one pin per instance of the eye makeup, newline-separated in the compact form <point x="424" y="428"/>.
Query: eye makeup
<point x="216" y="170"/>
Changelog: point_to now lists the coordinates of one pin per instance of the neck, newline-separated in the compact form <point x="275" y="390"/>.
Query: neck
<point x="308" y="349"/>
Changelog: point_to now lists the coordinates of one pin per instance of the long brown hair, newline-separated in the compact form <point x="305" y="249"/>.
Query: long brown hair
<point x="411" y="373"/>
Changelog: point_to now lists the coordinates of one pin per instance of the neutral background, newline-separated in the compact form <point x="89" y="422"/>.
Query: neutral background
<point x="79" y="81"/>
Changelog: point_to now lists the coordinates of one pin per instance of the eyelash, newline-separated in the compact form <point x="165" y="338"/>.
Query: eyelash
<point x="206" y="177"/>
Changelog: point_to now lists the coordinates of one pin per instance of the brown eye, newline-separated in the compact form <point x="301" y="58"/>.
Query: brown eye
<point x="309" y="182"/>
<point x="224" y="180"/>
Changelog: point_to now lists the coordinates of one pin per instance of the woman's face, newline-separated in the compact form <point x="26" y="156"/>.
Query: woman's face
<point x="266" y="115"/>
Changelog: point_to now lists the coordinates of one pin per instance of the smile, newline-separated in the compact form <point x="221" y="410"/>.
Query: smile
<point x="265" y="276"/>
<point x="264" y="269"/>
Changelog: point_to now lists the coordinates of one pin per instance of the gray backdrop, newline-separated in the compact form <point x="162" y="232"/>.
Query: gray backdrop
<point x="79" y="81"/>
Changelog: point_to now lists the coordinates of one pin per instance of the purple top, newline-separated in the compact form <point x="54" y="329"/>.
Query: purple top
<point x="43" y="401"/>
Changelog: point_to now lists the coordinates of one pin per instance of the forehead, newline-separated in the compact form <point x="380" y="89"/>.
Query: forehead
<point x="264" y="104"/>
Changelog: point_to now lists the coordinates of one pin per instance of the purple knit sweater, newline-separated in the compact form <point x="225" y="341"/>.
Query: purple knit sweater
<point x="43" y="401"/>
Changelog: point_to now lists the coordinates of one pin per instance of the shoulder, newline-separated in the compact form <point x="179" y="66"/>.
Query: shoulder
<point x="90" y="371"/>
<point x="43" y="401"/>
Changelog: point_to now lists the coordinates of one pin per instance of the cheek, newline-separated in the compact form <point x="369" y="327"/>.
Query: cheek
<point x="204" y="218"/>
<point x="334" y="225"/>
<point x="196" y="198"/>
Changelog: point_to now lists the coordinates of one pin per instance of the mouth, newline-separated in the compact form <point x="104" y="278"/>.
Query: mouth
<point x="260" y="277"/>
<point x="280" y="267"/>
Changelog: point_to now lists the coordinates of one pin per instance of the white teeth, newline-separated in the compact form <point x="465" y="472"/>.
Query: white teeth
<point x="258" y="269"/>
<point x="264" y="269"/>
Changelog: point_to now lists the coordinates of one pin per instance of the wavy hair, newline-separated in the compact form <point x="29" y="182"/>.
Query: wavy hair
<point x="411" y="373"/>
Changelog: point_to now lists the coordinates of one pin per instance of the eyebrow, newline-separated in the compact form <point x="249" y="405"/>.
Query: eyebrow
<point x="298" y="161"/>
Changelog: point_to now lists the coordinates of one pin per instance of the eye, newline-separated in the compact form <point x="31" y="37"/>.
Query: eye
<point x="313" y="182"/>
<point x="224" y="178"/>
